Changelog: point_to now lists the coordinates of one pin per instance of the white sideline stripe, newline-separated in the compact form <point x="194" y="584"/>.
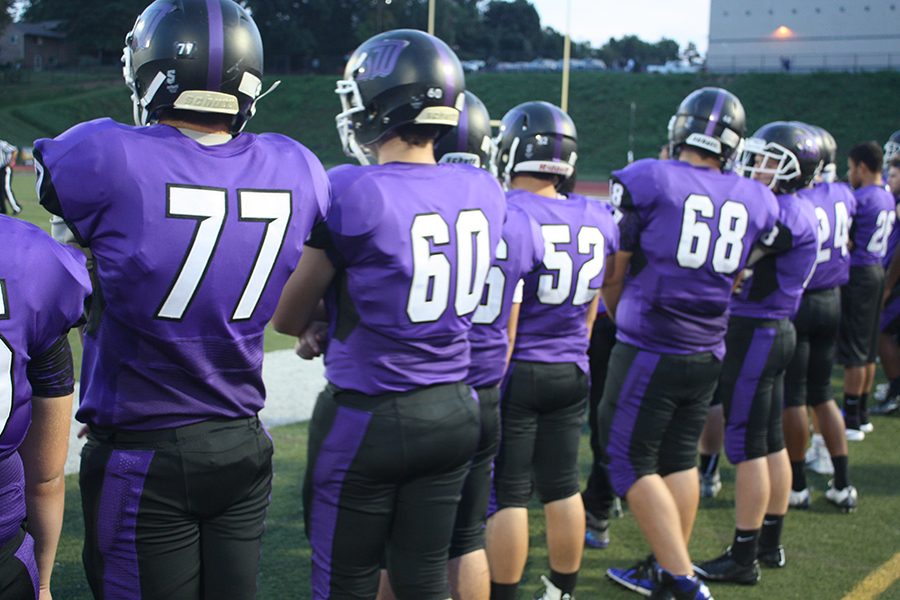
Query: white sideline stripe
<point x="877" y="582"/>
<point x="292" y="385"/>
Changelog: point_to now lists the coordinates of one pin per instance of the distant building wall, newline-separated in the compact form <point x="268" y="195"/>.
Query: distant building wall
<point x="35" y="46"/>
<point x="804" y="35"/>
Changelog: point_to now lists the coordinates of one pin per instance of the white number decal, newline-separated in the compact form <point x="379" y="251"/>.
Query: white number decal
<point x="841" y="232"/>
<point x="733" y="222"/>
<point x="841" y="228"/>
<point x="432" y="271"/>
<point x="6" y="363"/>
<point x="555" y="260"/>
<point x="883" y="226"/>
<point x="209" y="207"/>
<point x="696" y="235"/>
<point x="590" y="243"/>
<point x="473" y="248"/>
<point x="693" y="246"/>
<point x="494" y="286"/>
<point x="273" y="208"/>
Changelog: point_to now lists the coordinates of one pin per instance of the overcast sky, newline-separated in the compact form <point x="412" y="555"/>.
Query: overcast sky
<point x="651" y="20"/>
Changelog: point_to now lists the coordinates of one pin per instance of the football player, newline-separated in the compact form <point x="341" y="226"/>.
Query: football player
<point x="545" y="390"/>
<point x="888" y="347"/>
<point x="8" y="154"/>
<point x="891" y="151"/>
<point x="687" y="231"/>
<point x="760" y="343"/>
<point x="861" y="297"/>
<point x="193" y="228"/>
<point x="43" y="286"/>
<point x="404" y="258"/>
<point x="807" y="381"/>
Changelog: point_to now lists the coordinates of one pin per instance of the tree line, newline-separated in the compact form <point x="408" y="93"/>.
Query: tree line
<point x="317" y="35"/>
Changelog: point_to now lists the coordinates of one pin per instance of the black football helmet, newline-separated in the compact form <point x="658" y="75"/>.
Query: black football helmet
<point x="827" y="152"/>
<point x="536" y="137"/>
<point x="397" y="78"/>
<point x="199" y="55"/>
<point x="711" y="119"/>
<point x="788" y="151"/>
<point x="470" y="141"/>
<point x="891" y="148"/>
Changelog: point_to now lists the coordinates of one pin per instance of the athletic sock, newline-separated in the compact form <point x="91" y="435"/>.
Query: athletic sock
<point x="504" y="591"/>
<point x="771" y="531"/>
<point x="799" y="473"/>
<point x="564" y="581"/>
<point x="894" y="388"/>
<point x="709" y="463"/>
<point x="851" y="411"/>
<point x="743" y="549"/>
<point x="841" y="480"/>
<point x="863" y="403"/>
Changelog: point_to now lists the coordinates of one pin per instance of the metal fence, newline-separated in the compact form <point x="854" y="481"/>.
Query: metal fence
<point x="803" y="63"/>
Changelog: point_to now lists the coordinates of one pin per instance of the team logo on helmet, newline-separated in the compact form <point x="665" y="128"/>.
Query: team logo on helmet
<point x="380" y="60"/>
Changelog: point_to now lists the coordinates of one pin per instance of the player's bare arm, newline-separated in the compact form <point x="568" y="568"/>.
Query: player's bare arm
<point x="44" y="458"/>
<point x="302" y="293"/>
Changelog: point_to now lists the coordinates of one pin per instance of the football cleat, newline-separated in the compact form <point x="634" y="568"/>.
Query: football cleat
<point x="887" y="406"/>
<point x="866" y="427"/>
<point x="817" y="457"/>
<point x="773" y="558"/>
<point x="847" y="499"/>
<point x="637" y="578"/>
<point x="596" y="533"/>
<point x="678" y="587"/>
<point x="726" y="569"/>
<point x="710" y="485"/>
<point x="799" y="499"/>
<point x="551" y="592"/>
<point x="855" y="434"/>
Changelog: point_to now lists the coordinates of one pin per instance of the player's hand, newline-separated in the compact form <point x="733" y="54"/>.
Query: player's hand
<point x="44" y="593"/>
<point x="313" y="341"/>
<point x="82" y="433"/>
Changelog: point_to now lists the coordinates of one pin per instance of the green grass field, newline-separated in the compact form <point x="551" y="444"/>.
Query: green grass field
<point x="828" y="552"/>
<point x="854" y="107"/>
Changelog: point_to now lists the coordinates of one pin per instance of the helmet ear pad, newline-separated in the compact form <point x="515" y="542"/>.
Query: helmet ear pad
<point x="203" y="56"/>
<point x="397" y="78"/>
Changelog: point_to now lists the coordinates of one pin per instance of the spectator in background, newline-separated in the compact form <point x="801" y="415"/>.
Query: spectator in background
<point x="8" y="154"/>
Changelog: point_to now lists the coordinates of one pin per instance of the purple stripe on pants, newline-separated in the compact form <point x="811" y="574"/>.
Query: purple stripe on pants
<point x="25" y="554"/>
<point x="628" y="406"/>
<point x="120" y="499"/>
<point x="744" y="391"/>
<point x="332" y="463"/>
<point x="216" y="45"/>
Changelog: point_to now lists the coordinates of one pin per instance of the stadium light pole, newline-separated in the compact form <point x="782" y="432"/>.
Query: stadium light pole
<point x="567" y="57"/>
<point x="431" y="11"/>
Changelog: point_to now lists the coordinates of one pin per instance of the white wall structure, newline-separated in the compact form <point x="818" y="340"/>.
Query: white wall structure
<point x="804" y="35"/>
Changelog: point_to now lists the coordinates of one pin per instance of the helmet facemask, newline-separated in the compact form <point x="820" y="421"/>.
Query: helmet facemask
<point x="769" y="158"/>
<point x="351" y="104"/>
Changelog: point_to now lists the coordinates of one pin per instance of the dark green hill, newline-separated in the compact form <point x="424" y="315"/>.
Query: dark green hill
<point x="854" y="107"/>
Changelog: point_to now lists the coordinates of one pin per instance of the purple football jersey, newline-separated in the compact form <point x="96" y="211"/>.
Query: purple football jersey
<point x="872" y="225"/>
<point x="43" y="286"/>
<point x="835" y="206"/>
<point x="776" y="282"/>
<point x="413" y="245"/>
<point x="894" y="238"/>
<point x="695" y="230"/>
<point x="193" y="245"/>
<point x="520" y="252"/>
<point x="579" y="235"/>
